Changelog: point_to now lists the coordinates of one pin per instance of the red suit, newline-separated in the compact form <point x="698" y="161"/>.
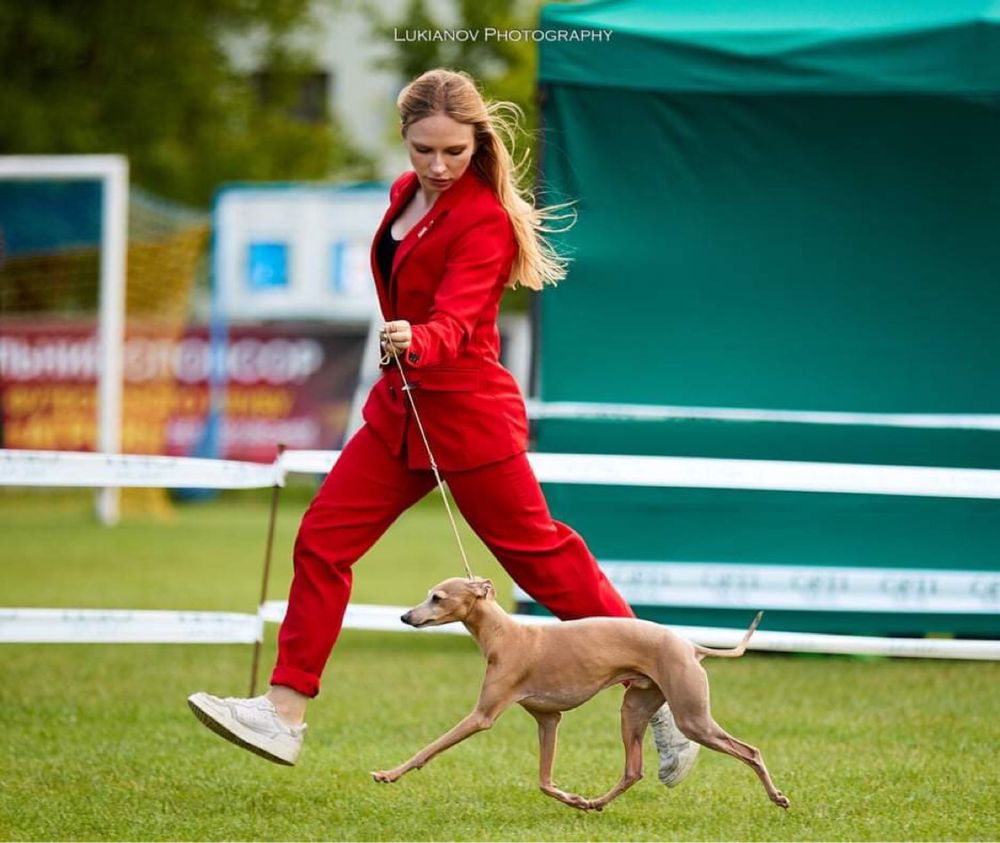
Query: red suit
<point x="447" y="279"/>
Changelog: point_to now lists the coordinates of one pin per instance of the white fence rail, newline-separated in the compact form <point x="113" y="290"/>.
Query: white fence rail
<point x="61" y="468"/>
<point x="118" y="626"/>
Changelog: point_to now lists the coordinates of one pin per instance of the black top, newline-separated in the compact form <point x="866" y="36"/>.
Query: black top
<point x="385" y="251"/>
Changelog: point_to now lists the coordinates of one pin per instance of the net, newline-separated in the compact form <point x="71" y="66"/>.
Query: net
<point x="50" y="260"/>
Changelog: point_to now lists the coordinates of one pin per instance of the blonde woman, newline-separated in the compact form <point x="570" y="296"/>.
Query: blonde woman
<point x="457" y="233"/>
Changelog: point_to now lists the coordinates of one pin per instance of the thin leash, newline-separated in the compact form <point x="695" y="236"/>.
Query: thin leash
<point x="437" y="475"/>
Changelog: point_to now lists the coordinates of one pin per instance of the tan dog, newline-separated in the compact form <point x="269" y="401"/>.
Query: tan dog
<point x="553" y="668"/>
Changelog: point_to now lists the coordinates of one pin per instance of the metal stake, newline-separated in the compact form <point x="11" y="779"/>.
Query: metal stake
<point x="275" y="490"/>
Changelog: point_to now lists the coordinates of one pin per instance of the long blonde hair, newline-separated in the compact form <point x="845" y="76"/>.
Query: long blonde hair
<point x="454" y="93"/>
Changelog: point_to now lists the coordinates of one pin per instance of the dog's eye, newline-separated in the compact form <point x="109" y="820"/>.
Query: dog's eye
<point x="435" y="598"/>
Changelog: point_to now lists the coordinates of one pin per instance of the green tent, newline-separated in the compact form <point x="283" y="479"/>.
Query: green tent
<point x="788" y="241"/>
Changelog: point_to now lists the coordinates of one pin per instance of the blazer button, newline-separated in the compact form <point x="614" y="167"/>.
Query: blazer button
<point x="414" y="357"/>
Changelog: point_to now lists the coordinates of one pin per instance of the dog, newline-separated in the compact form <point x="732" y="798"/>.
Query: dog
<point x="554" y="668"/>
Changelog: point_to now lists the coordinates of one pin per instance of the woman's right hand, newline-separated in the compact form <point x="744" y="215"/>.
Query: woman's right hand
<point x="394" y="338"/>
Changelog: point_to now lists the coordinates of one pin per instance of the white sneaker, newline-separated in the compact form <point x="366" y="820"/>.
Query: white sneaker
<point x="251" y="723"/>
<point x="677" y="753"/>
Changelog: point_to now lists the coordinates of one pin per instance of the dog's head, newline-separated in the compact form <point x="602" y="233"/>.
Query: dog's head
<point x="450" y="601"/>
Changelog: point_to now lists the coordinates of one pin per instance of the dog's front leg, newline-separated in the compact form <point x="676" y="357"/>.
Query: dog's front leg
<point x="475" y="722"/>
<point x="489" y="707"/>
<point x="548" y="724"/>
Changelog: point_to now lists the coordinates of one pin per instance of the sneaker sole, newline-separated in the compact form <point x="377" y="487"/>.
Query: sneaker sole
<point x="223" y="731"/>
<point x="681" y="772"/>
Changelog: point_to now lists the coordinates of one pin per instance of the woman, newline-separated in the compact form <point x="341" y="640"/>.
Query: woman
<point x="456" y="234"/>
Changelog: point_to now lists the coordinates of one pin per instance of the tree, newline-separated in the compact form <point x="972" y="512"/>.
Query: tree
<point x="153" y="81"/>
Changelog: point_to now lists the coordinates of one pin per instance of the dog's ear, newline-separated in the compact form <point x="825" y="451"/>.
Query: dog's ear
<point x="483" y="588"/>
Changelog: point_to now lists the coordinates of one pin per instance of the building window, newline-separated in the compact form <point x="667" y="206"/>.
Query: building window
<point x="267" y="267"/>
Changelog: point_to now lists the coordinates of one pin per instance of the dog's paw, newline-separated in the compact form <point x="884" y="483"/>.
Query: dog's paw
<point x="781" y="800"/>
<point x="577" y="801"/>
<point x="385" y="776"/>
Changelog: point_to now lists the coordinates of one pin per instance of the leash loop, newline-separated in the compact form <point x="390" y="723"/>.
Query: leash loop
<point x="408" y="389"/>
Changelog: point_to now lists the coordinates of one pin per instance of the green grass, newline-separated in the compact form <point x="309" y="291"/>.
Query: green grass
<point x="98" y="744"/>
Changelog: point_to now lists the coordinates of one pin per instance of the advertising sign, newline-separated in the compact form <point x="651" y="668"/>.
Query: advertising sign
<point x="289" y="383"/>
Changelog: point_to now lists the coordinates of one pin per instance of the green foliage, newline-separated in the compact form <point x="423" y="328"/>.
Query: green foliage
<point x="153" y="81"/>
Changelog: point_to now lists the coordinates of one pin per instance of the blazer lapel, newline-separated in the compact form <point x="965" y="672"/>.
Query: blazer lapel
<point x="441" y="206"/>
<point x="445" y="202"/>
<point x="406" y="191"/>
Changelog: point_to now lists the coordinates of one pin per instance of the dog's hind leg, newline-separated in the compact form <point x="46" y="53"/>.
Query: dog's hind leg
<point x="548" y="725"/>
<point x="687" y="689"/>
<point x="715" y="737"/>
<point x="638" y="705"/>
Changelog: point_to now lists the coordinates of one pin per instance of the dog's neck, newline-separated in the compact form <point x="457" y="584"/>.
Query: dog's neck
<point x="489" y="624"/>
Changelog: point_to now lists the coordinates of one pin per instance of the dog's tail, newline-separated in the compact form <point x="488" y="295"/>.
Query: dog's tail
<point x="737" y="651"/>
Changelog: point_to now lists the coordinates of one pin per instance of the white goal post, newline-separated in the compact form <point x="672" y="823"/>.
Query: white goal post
<point x="112" y="172"/>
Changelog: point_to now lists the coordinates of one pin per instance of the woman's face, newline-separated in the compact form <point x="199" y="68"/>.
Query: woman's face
<point x="440" y="150"/>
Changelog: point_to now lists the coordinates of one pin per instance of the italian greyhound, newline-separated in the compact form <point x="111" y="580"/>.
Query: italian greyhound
<point x="553" y="668"/>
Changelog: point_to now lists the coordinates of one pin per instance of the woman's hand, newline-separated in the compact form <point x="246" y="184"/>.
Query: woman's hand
<point x="396" y="336"/>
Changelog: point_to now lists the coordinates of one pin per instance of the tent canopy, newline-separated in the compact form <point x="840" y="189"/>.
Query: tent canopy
<point x="781" y="46"/>
<point x="781" y="207"/>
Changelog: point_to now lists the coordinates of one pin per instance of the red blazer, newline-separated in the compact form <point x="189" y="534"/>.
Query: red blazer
<point x="447" y="278"/>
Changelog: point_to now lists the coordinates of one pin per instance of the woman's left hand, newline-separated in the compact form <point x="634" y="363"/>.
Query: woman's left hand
<point x="396" y="336"/>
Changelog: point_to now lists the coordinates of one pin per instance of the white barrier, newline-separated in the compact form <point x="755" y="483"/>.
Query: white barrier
<point x="127" y="626"/>
<point x="697" y="472"/>
<point x="387" y="619"/>
<point x="80" y="626"/>
<point x="803" y="588"/>
<point x="60" y="468"/>
<point x="772" y="475"/>
<point x="88" y="470"/>
<point x="307" y="462"/>
<point x="576" y="410"/>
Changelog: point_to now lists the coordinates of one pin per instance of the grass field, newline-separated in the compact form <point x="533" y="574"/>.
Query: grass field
<point x="98" y="744"/>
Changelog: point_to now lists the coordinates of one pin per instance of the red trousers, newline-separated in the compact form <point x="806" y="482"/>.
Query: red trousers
<point x="368" y="488"/>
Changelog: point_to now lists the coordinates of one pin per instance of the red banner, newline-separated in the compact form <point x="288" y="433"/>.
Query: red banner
<point x="289" y="383"/>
